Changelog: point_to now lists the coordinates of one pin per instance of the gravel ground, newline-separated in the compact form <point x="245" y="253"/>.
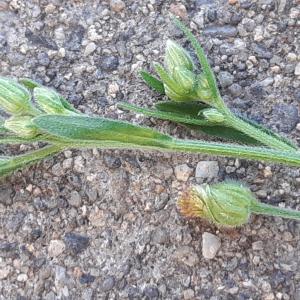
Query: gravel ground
<point x="104" y="224"/>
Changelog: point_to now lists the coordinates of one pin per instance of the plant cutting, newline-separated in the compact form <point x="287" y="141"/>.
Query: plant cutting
<point x="195" y="100"/>
<point x="52" y="120"/>
<point x="227" y="204"/>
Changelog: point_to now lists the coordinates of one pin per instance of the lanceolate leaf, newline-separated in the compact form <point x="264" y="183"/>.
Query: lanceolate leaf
<point x="81" y="128"/>
<point x="153" y="82"/>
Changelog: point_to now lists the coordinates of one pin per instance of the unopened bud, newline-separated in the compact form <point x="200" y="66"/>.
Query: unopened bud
<point x="50" y="101"/>
<point x="14" y="98"/>
<point x="22" y="126"/>
<point x="213" y="115"/>
<point x="225" y="204"/>
<point x="176" y="56"/>
<point x="184" y="78"/>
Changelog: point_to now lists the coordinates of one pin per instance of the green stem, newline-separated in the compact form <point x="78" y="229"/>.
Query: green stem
<point x="266" y="209"/>
<point x="11" y="164"/>
<point x="256" y="133"/>
<point x="177" y="145"/>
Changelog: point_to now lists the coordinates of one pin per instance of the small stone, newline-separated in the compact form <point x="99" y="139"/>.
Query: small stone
<point x="76" y="243"/>
<point x="291" y="57"/>
<point x="50" y="8"/>
<point x="89" y="49"/>
<point x="5" y="195"/>
<point x="258" y="245"/>
<point x="3" y="5"/>
<point x="221" y="31"/>
<point x="188" y="294"/>
<point x="22" y="277"/>
<point x="112" y="162"/>
<point x="113" y="89"/>
<point x="183" y="172"/>
<point x="4" y="272"/>
<point x="108" y="283"/>
<point x="235" y="90"/>
<point x="56" y="247"/>
<point x="297" y="69"/>
<point x="286" y="116"/>
<point x="109" y="63"/>
<point x="151" y="292"/>
<point x="179" y="10"/>
<point x="97" y="218"/>
<point x="117" y="5"/>
<point x="207" y="169"/>
<point x="232" y="2"/>
<point x="160" y="236"/>
<point x="75" y="199"/>
<point x="187" y="256"/>
<point x="262" y="51"/>
<point x="87" y="278"/>
<point x="225" y="79"/>
<point x="210" y="245"/>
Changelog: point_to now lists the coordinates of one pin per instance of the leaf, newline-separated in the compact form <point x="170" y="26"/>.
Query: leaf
<point x="183" y="108"/>
<point x="202" y="58"/>
<point x="29" y="83"/>
<point x="170" y="116"/>
<point x="153" y="82"/>
<point x="81" y="129"/>
<point x="66" y="104"/>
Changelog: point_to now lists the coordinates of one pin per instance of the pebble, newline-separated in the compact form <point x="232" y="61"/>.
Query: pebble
<point x="50" y="8"/>
<point x="221" y="31"/>
<point x="117" y="5"/>
<point x="3" y="6"/>
<point x="89" y="49"/>
<point x="4" y="272"/>
<point x="188" y="294"/>
<point x="109" y="63"/>
<point x="210" y="245"/>
<point x="75" y="199"/>
<point x="183" y="172"/>
<point x="235" y="90"/>
<point x="86" y="278"/>
<point x="108" y="283"/>
<point x="286" y="116"/>
<point x="76" y="243"/>
<point x="225" y="79"/>
<point x="151" y="292"/>
<point x="258" y="245"/>
<point x="22" y="277"/>
<point x="179" y="10"/>
<point x="5" y="195"/>
<point x="262" y="51"/>
<point x="232" y="2"/>
<point x="97" y="218"/>
<point x="56" y="247"/>
<point x="207" y="169"/>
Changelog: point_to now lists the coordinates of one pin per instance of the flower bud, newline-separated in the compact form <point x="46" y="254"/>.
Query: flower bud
<point x="213" y="115"/>
<point x="184" y="78"/>
<point x="14" y="98"/>
<point x="22" y="126"/>
<point x="225" y="204"/>
<point x="176" y="56"/>
<point x="50" y="101"/>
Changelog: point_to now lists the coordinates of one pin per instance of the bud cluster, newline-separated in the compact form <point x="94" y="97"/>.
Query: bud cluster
<point x="16" y="100"/>
<point x="179" y="79"/>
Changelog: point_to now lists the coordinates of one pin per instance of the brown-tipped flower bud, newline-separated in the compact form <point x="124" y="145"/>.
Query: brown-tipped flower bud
<point x="22" y="126"/>
<point x="14" y="98"/>
<point x="176" y="56"/>
<point x="225" y="204"/>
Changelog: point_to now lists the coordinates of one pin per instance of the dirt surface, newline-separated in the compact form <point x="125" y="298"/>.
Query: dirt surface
<point x="104" y="224"/>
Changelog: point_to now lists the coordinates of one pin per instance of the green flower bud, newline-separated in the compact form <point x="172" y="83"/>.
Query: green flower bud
<point x="22" y="126"/>
<point x="176" y="56"/>
<point x="213" y="115"/>
<point x="50" y="101"/>
<point x="184" y="78"/>
<point x="225" y="204"/>
<point x="14" y="98"/>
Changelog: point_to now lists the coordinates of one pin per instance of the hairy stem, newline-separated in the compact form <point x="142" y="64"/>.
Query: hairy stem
<point x="266" y="209"/>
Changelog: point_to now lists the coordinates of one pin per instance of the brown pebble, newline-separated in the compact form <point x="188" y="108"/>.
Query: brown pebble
<point x="179" y="10"/>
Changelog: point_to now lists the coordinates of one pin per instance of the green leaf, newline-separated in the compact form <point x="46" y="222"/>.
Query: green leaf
<point x="202" y="58"/>
<point x="29" y="83"/>
<point x="191" y="109"/>
<point x="81" y="128"/>
<point x="68" y="105"/>
<point x="170" y="116"/>
<point x="153" y="82"/>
